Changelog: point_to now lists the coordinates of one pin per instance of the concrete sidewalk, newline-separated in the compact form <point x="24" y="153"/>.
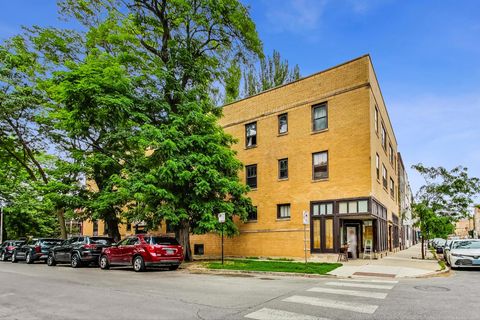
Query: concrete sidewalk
<point x="405" y="263"/>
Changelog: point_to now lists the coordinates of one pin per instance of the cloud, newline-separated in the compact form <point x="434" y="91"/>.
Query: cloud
<point x="294" y="16"/>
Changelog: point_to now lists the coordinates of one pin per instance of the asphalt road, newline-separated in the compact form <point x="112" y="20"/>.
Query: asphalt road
<point x="41" y="292"/>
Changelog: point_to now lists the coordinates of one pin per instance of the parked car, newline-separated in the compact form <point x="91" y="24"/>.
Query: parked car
<point x="464" y="253"/>
<point x="7" y="248"/>
<point x="34" y="249"/>
<point x="78" y="251"/>
<point x="439" y="245"/>
<point x="142" y="251"/>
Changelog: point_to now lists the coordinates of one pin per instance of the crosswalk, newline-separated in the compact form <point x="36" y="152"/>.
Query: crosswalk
<point x="334" y="296"/>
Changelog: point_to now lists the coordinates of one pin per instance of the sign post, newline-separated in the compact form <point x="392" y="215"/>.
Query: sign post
<point x="306" y="220"/>
<point x="221" y="219"/>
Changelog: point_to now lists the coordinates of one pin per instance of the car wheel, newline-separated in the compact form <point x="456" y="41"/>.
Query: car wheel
<point x="51" y="260"/>
<point x="76" y="262"/>
<point x="29" y="258"/>
<point x="138" y="264"/>
<point x="173" y="267"/>
<point x="14" y="257"/>
<point x="104" y="265"/>
<point x="3" y="257"/>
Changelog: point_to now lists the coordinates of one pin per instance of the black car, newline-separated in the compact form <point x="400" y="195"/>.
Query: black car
<point x="7" y="248"/>
<point x="78" y="251"/>
<point x="34" y="249"/>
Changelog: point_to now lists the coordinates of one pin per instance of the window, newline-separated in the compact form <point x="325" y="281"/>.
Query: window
<point x="384" y="176"/>
<point x="376" y="119"/>
<point x="283" y="123"/>
<point x="283" y="169"/>
<point x="329" y="234"/>
<point x="95" y="227"/>
<point x="129" y="226"/>
<point x="320" y="165"/>
<point x="390" y="149"/>
<point x="319" y="116"/>
<point x="251" y="175"/>
<point x="105" y="228"/>
<point x="283" y="211"/>
<point x="198" y="249"/>
<point x="321" y="209"/>
<point x="354" y="206"/>
<point x="252" y="214"/>
<point x="384" y="138"/>
<point x="392" y="188"/>
<point x="251" y="134"/>
<point x="377" y="166"/>
<point x="363" y="206"/>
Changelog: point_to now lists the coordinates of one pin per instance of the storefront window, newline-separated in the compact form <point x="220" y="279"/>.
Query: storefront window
<point x="328" y="233"/>
<point x="342" y="207"/>
<point x="352" y="207"/>
<point x="316" y="234"/>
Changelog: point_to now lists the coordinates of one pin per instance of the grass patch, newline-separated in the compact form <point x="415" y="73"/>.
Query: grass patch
<point x="280" y="259"/>
<point x="275" y="266"/>
<point x="442" y="264"/>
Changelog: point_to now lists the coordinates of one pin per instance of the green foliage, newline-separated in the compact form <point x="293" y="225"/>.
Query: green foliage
<point x="273" y="72"/>
<point x="232" y="82"/>
<point x="445" y="197"/>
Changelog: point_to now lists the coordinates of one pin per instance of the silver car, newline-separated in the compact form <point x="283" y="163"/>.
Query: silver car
<point x="464" y="253"/>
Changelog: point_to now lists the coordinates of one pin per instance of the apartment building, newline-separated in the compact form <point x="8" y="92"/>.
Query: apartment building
<point x="323" y="144"/>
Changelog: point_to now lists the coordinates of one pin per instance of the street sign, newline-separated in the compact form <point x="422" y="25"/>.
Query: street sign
<point x="221" y="217"/>
<point x="306" y="218"/>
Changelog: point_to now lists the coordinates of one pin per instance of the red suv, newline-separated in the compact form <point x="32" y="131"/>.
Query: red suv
<point x="141" y="251"/>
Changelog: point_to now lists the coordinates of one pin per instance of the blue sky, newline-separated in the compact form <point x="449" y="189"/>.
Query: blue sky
<point x="426" y="55"/>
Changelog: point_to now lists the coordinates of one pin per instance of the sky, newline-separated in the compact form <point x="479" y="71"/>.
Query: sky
<point x="426" y="54"/>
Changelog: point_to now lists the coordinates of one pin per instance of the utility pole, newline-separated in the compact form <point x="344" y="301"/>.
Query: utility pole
<point x="221" y="219"/>
<point x="1" y="221"/>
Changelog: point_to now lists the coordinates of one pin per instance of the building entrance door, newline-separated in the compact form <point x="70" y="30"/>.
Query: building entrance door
<point x="352" y="237"/>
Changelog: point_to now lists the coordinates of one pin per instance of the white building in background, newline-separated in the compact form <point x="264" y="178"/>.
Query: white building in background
<point x="405" y="196"/>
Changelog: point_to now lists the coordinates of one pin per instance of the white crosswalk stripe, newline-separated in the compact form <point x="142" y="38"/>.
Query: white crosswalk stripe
<point x="355" y="293"/>
<point x="370" y="281"/>
<point x="359" y="285"/>
<point x="335" y="304"/>
<point x="334" y="295"/>
<point x="274" y="314"/>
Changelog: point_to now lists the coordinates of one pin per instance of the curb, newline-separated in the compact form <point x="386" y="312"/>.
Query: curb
<point x="256" y="273"/>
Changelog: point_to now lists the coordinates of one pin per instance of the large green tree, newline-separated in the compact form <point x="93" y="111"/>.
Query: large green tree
<point x="22" y="136"/>
<point x="446" y="196"/>
<point x="176" y="50"/>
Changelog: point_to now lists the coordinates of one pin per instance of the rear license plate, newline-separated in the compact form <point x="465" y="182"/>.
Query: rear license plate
<point x="476" y="261"/>
<point x="169" y="251"/>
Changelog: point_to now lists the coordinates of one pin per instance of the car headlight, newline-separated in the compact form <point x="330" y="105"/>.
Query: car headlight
<point x="457" y="255"/>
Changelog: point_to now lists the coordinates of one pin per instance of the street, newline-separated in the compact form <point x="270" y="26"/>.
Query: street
<point x="39" y="292"/>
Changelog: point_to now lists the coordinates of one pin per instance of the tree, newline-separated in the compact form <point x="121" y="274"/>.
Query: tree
<point x="273" y="72"/>
<point x="445" y="197"/>
<point x="21" y="136"/>
<point x="176" y="49"/>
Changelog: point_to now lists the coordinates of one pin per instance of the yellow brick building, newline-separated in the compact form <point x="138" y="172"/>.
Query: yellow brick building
<point x="323" y="144"/>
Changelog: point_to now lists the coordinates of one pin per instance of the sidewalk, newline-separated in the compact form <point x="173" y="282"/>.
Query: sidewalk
<point x="405" y="263"/>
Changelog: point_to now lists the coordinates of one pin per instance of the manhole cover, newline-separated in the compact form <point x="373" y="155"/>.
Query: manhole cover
<point x="432" y="288"/>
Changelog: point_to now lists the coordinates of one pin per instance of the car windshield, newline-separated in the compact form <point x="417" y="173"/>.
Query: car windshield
<point x="161" y="240"/>
<point x="101" y="241"/>
<point x="466" y="245"/>
<point x="51" y="242"/>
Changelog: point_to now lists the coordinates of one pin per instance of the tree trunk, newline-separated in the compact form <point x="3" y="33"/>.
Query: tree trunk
<point x="61" y="222"/>
<point x="183" y="236"/>
<point x="423" y="247"/>
<point x="113" y="232"/>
